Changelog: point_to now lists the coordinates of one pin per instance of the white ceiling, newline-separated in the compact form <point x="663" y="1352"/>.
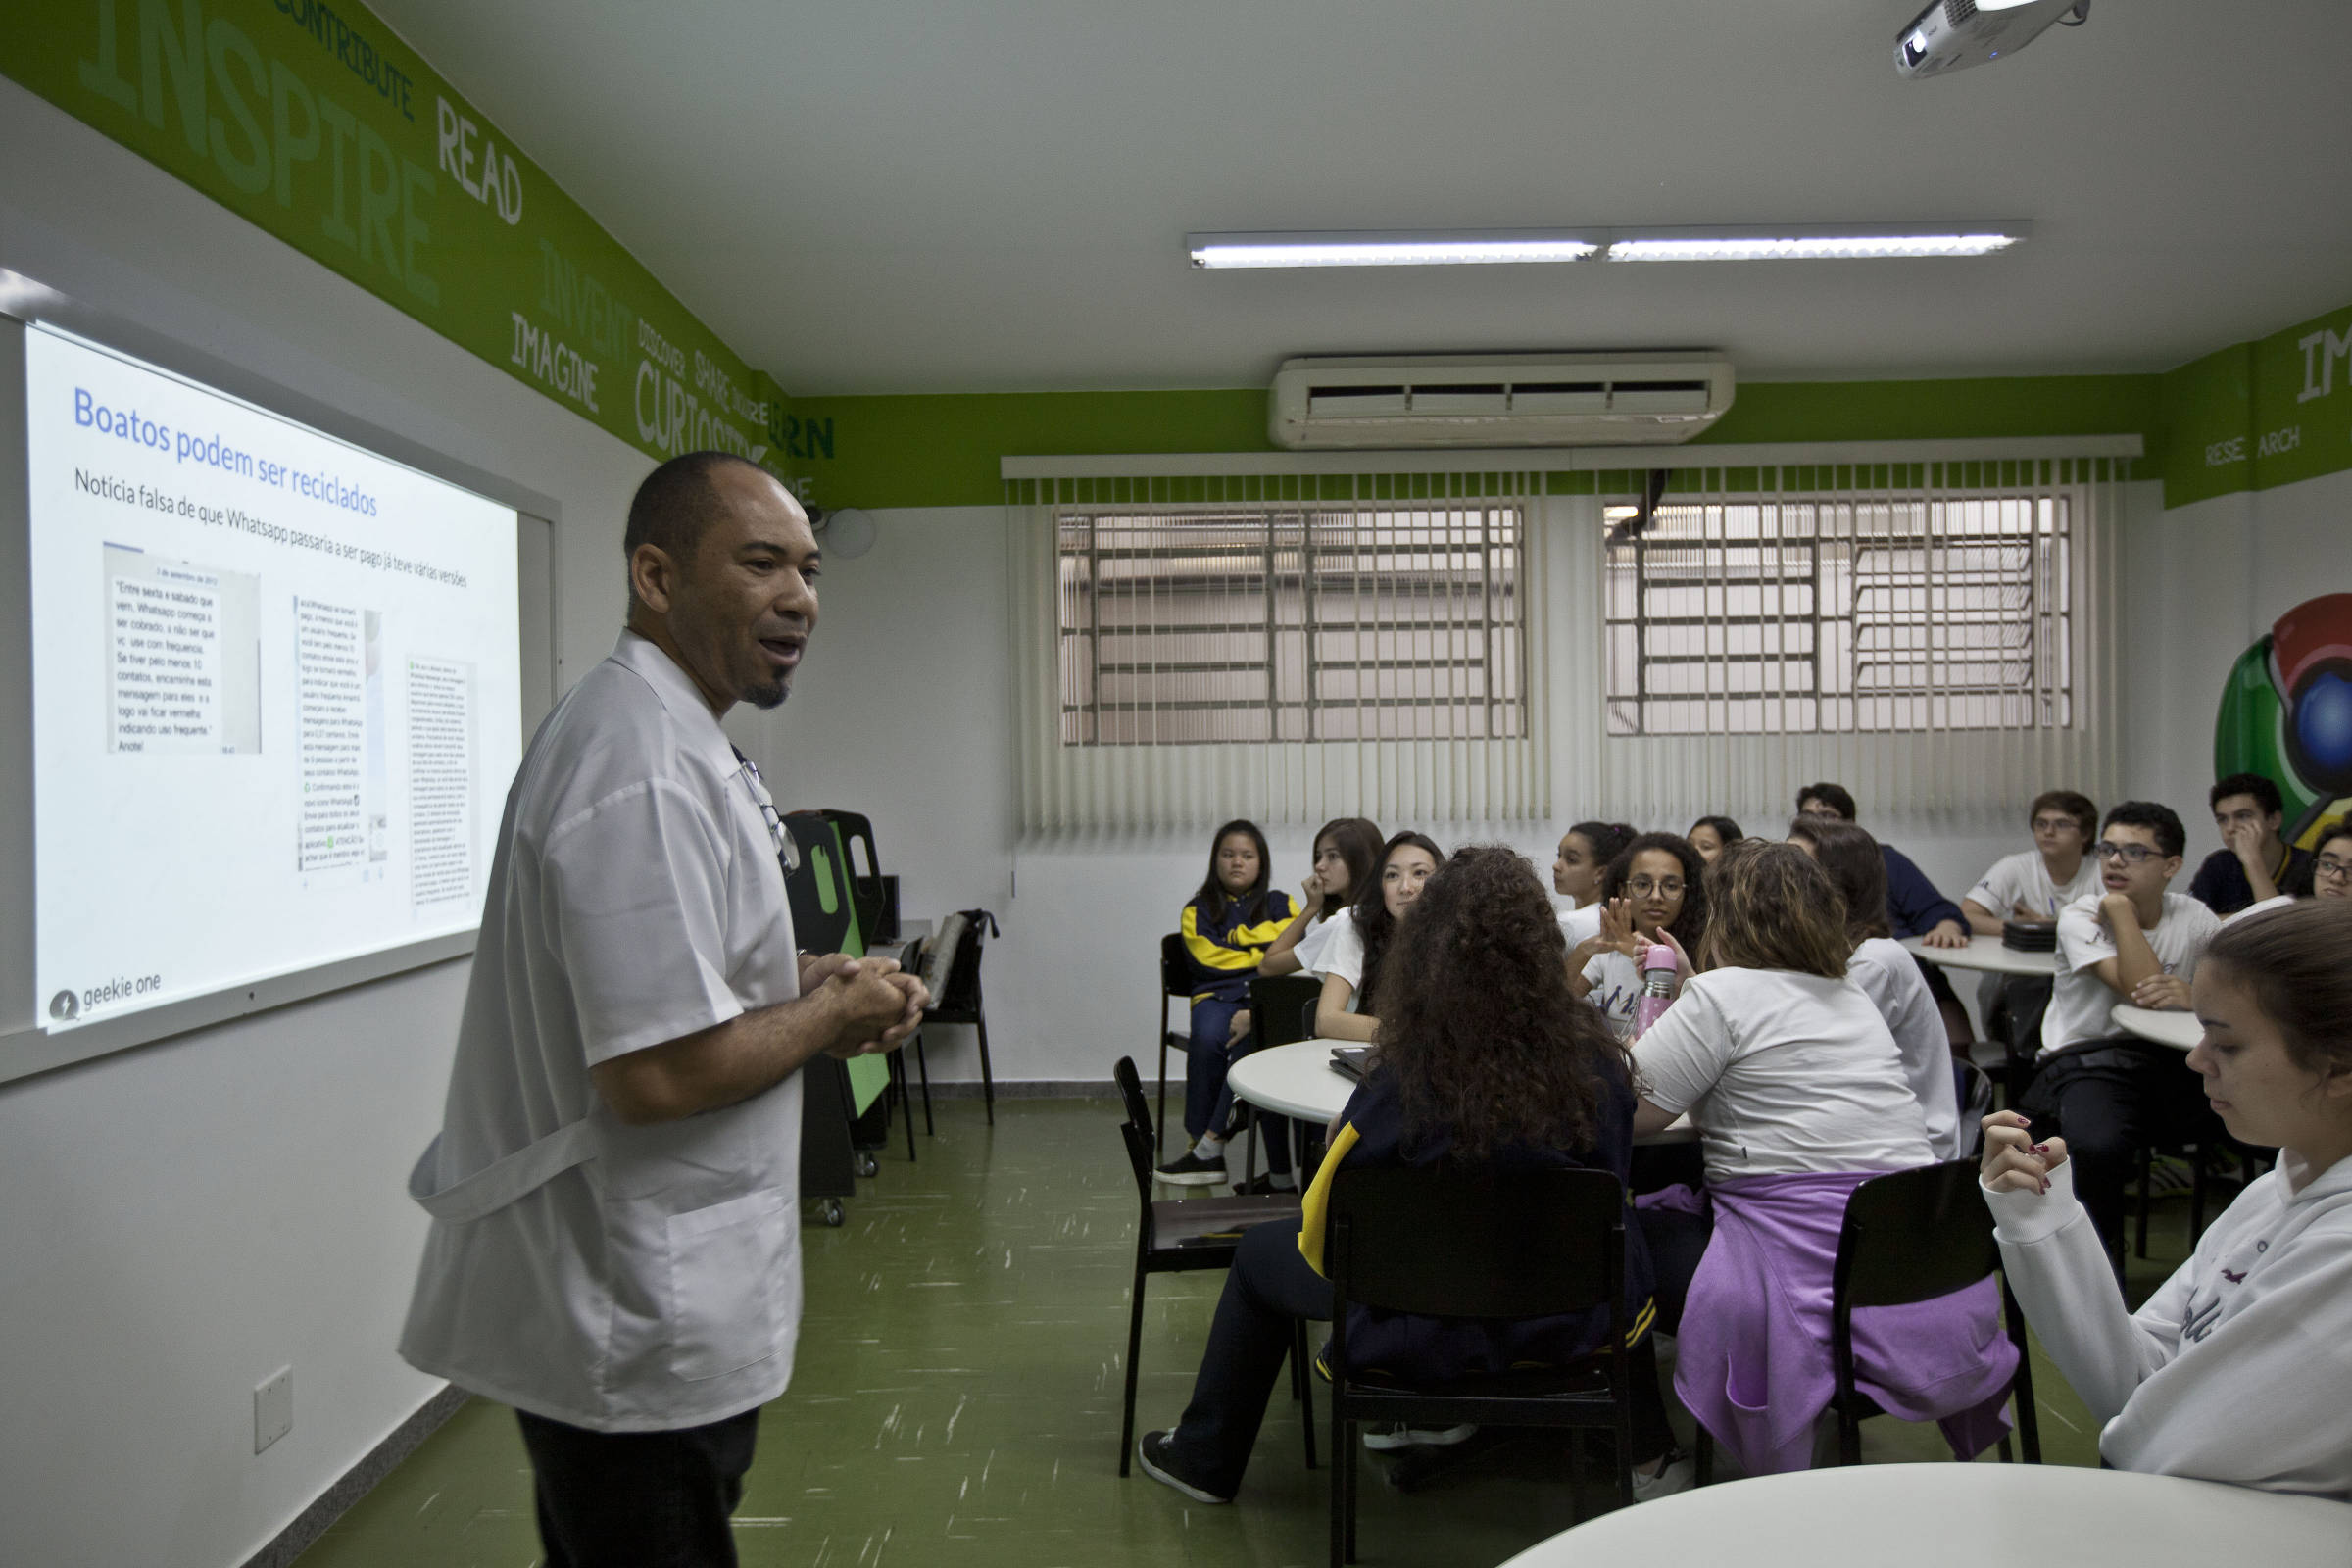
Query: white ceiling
<point x="992" y="195"/>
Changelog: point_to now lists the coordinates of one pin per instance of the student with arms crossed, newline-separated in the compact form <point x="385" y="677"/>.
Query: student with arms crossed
<point x="1226" y="927"/>
<point x="1584" y="854"/>
<point x="2239" y="1367"/>
<point x="2108" y="1092"/>
<point x="1799" y="1097"/>
<point x="1881" y="967"/>
<point x="1358" y="951"/>
<point x="1484" y="1063"/>
<point x="1652" y="891"/>
<point x="2253" y="863"/>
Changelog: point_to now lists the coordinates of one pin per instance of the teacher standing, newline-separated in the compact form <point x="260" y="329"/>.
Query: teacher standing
<point x="616" y="1240"/>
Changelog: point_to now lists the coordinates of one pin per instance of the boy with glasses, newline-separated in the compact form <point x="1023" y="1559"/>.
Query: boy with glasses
<point x="2110" y="1093"/>
<point x="2254" y="864"/>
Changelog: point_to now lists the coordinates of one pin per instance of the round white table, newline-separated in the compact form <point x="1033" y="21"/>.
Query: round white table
<point x="1961" y="1516"/>
<point x="1298" y="1080"/>
<point x="1987" y="953"/>
<point x="2167" y="1028"/>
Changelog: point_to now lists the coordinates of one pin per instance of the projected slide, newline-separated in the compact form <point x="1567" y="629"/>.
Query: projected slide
<point x="275" y="690"/>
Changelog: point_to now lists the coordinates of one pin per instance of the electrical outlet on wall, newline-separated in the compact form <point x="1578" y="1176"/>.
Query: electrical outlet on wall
<point x="272" y="1408"/>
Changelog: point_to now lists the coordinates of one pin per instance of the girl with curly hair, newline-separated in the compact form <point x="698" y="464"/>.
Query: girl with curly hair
<point x="1654" y="891"/>
<point x="1483" y="1060"/>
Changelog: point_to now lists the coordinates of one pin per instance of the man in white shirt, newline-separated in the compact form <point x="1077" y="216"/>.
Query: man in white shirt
<point x="614" y="1192"/>
<point x="2110" y="1093"/>
<point x="2033" y="885"/>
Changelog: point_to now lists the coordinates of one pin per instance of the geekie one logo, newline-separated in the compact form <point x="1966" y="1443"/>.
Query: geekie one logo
<point x="68" y="1005"/>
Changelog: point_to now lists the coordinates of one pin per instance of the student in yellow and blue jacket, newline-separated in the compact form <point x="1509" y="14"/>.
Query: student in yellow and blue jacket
<point x="1227" y="928"/>
<point x="1483" y="1060"/>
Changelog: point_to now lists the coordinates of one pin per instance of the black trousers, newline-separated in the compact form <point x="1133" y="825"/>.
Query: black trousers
<point x="1269" y="1287"/>
<point x="639" y="1499"/>
<point x="2109" y="1100"/>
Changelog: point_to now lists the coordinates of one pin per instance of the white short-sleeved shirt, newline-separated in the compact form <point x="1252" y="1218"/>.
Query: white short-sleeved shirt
<point x="635" y="896"/>
<point x="1317" y="941"/>
<point x="1783" y="1072"/>
<point x="2081" y="1007"/>
<point x="1344" y="955"/>
<point x="1890" y="977"/>
<point x="2022" y="878"/>
<point x="1581" y="925"/>
<point x="1616" y="990"/>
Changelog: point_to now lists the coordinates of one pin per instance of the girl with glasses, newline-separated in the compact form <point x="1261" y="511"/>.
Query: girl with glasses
<point x="1650" y="893"/>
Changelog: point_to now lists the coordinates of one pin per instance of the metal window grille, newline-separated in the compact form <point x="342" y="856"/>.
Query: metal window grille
<point x="1290" y="623"/>
<point x="1779" y="615"/>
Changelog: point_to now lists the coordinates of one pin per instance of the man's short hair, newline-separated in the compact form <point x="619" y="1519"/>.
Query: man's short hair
<point x="677" y="504"/>
<point x="1833" y="796"/>
<point x="2264" y="791"/>
<point x="2078" y="806"/>
<point x="2161" y="821"/>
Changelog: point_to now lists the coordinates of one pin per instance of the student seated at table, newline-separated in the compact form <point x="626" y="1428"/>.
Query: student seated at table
<point x="2254" y="862"/>
<point x="1914" y="909"/>
<point x="2330" y="872"/>
<point x="2035" y="884"/>
<point x="1347" y="852"/>
<point x="1584" y="852"/>
<point x="1226" y="928"/>
<point x="1709" y="834"/>
<point x="2239" y="1367"/>
<point x="1888" y="976"/>
<point x="2108" y="1091"/>
<point x="1484" y="1062"/>
<point x="1654" y="887"/>
<point x="1357" y="952"/>
<point x="1799" y="1096"/>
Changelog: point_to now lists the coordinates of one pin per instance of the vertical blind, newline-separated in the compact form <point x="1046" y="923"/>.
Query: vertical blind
<point x="1288" y="648"/>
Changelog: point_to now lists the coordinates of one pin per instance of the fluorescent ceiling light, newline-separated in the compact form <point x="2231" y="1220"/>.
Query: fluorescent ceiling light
<point x="1806" y="248"/>
<point x="1472" y="247"/>
<point x="1347" y="249"/>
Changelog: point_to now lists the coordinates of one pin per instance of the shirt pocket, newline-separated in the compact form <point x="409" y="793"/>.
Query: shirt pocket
<point x="729" y="1274"/>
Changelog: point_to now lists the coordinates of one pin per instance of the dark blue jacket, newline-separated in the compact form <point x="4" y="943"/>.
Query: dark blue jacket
<point x="1912" y="903"/>
<point x="1222" y="948"/>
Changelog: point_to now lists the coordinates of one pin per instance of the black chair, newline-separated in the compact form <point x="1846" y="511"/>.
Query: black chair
<point x="1175" y="981"/>
<point x="1912" y="1236"/>
<point x="1275" y="1019"/>
<point x="959" y="1000"/>
<point x="1179" y="1236"/>
<point x="2250" y="1163"/>
<point x="1972" y="1089"/>
<point x="1476" y="1244"/>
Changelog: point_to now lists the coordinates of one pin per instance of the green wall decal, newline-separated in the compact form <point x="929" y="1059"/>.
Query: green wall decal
<point x="317" y="124"/>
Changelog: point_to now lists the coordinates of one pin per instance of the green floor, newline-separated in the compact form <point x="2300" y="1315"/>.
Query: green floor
<point x="956" y="1401"/>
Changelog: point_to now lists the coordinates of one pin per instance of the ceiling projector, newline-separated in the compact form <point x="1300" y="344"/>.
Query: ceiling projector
<point x="1952" y="34"/>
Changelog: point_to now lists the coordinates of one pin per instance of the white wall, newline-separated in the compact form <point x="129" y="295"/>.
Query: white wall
<point x="179" y="1221"/>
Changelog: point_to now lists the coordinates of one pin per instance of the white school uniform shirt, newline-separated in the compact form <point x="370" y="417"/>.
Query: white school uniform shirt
<point x="1317" y="941"/>
<point x="619" y="1277"/>
<point x="2022" y="878"/>
<point x="2081" y="1007"/>
<point x="1581" y="925"/>
<point x="1890" y="977"/>
<point x="2238" y="1368"/>
<point x="1616" y="990"/>
<point x="1783" y="1072"/>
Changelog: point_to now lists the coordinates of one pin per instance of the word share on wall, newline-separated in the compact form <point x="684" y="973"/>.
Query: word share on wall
<point x="276" y="690"/>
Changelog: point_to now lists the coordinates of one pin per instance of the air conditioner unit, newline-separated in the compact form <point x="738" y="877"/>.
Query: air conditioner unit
<point x="1497" y="400"/>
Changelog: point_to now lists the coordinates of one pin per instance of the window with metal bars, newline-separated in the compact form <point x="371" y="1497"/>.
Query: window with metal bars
<point x="1842" y="614"/>
<point x="1304" y="622"/>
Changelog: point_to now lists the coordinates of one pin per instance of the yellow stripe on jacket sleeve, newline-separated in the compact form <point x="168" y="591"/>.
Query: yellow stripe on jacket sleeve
<point x="1317" y="1205"/>
<point x="1257" y="936"/>
<point x="1210" y="954"/>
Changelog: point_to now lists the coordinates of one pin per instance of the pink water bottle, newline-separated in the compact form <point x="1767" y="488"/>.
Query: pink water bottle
<point x="1659" y="969"/>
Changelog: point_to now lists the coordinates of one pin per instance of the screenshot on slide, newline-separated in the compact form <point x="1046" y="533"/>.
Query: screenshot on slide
<point x="277" y="688"/>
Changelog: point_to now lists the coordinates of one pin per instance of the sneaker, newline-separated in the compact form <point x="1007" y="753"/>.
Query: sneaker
<point x="1263" y="1184"/>
<point x="1189" y="1169"/>
<point x="1383" y="1440"/>
<point x="1160" y="1463"/>
<point x="1680" y="1473"/>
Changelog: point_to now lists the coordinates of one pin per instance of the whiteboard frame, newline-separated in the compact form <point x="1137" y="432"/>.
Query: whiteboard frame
<point x="25" y="1047"/>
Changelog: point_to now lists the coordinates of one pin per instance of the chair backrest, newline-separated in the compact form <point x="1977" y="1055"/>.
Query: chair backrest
<point x="960" y="989"/>
<point x="1136" y="1130"/>
<point x="1275" y="1001"/>
<point x="1175" y="978"/>
<point x="1974" y="1090"/>
<point x="1914" y="1235"/>
<point x="1441" y="1240"/>
<point x="1309" y="1019"/>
